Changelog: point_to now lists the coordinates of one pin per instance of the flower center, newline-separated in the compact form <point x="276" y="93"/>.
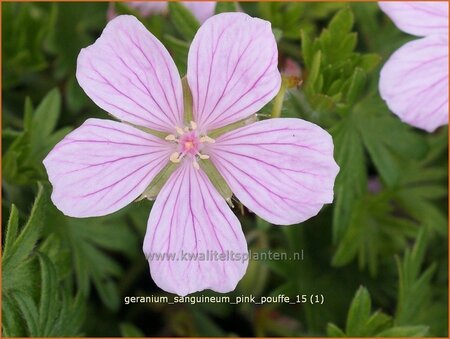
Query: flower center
<point x="190" y="144"/>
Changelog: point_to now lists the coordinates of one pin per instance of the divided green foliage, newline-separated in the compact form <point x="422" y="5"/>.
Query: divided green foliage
<point x="361" y="322"/>
<point x="423" y="184"/>
<point x="418" y="302"/>
<point x="292" y="17"/>
<point x="19" y="246"/>
<point x="388" y="154"/>
<point x="186" y="25"/>
<point x="374" y="230"/>
<point x="184" y="21"/>
<point x="74" y="32"/>
<point x="22" y="52"/>
<point x="50" y="310"/>
<point x="351" y="182"/>
<point x="374" y="217"/>
<point x="22" y="161"/>
<point x="336" y="74"/>
<point x="180" y="50"/>
<point x="89" y="245"/>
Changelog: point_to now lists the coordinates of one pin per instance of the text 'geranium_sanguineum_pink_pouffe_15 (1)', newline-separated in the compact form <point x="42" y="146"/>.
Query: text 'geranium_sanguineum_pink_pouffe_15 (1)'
<point x="195" y="134"/>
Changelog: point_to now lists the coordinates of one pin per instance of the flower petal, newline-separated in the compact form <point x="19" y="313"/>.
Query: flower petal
<point x="147" y="8"/>
<point x="102" y="166"/>
<point x="414" y="82"/>
<point x="418" y="18"/>
<point x="232" y="69"/>
<point x="202" y="10"/>
<point x="281" y="169"/>
<point x="130" y="74"/>
<point x="191" y="221"/>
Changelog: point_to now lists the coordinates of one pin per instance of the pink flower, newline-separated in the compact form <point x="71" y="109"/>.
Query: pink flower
<point x="282" y="169"/>
<point x="414" y="81"/>
<point x="202" y="10"/>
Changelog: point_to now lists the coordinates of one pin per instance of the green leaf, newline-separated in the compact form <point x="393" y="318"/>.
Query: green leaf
<point x="333" y="69"/>
<point x="358" y="313"/>
<point x="128" y="330"/>
<point x="23" y="55"/>
<point x="361" y="322"/>
<point x="78" y="23"/>
<point x="334" y="331"/>
<point x="46" y="116"/>
<point x="223" y="7"/>
<point x="342" y="22"/>
<point x="378" y="322"/>
<point x="369" y="61"/>
<point x="48" y="304"/>
<point x="374" y="231"/>
<point x="183" y="20"/>
<point x="387" y="152"/>
<point x="108" y="292"/>
<point x="90" y="243"/>
<point x="351" y="182"/>
<point x="11" y="231"/>
<point x="405" y="332"/>
<point x="314" y="72"/>
<point x="23" y="159"/>
<point x="22" y="246"/>
<point x="19" y="272"/>
<point x="28" y="115"/>
<point x="414" y="292"/>
<point x="357" y="82"/>
<point x="12" y="322"/>
<point x="16" y="161"/>
<point x="307" y="49"/>
<point x="29" y="312"/>
<point x="180" y="50"/>
<point x="49" y="143"/>
<point x="56" y="314"/>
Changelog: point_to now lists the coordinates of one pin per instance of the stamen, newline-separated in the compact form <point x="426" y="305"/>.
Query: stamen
<point x="205" y="138"/>
<point x="175" y="157"/>
<point x="196" y="165"/>
<point x="179" y="130"/>
<point x="186" y="129"/>
<point x="171" y="137"/>
<point x="193" y="125"/>
<point x="230" y="203"/>
<point x="203" y="156"/>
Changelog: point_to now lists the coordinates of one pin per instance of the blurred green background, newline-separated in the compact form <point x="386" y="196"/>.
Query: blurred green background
<point x="378" y="254"/>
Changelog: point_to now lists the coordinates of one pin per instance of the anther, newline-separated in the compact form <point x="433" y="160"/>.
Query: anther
<point x="230" y="203"/>
<point x="193" y="125"/>
<point x="203" y="156"/>
<point x="179" y="130"/>
<point x="205" y="138"/>
<point x="196" y="165"/>
<point x="171" y="137"/>
<point x="175" y="157"/>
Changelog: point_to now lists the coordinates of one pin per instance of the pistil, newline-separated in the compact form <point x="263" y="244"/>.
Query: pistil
<point x="190" y="143"/>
